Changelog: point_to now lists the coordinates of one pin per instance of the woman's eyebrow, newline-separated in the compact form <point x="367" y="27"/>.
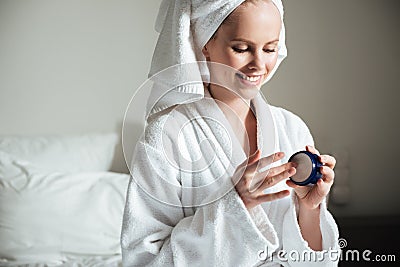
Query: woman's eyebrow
<point x="250" y="42"/>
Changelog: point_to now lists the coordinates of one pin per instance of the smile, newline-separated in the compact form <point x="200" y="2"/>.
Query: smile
<point x="252" y="79"/>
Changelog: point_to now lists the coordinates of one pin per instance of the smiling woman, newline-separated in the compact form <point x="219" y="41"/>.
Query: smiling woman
<point x="248" y="42"/>
<point x="70" y="67"/>
<point x="210" y="173"/>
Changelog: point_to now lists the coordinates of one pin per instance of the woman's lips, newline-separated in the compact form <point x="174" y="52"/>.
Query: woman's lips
<point x="251" y="79"/>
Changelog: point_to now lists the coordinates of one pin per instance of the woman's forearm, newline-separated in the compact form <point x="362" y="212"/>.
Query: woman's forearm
<point x="310" y="226"/>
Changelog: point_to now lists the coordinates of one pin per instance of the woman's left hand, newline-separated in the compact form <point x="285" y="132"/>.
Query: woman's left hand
<point x="312" y="196"/>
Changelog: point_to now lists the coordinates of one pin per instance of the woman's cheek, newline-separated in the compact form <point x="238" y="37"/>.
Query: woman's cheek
<point x="270" y="61"/>
<point x="238" y="62"/>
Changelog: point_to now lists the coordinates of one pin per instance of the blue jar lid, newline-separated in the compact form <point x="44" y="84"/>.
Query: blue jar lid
<point x="308" y="168"/>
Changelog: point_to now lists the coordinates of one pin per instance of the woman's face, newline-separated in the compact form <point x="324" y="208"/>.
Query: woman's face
<point x="247" y="42"/>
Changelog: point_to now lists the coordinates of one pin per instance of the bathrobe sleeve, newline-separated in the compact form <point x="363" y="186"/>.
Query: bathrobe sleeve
<point x="297" y="249"/>
<point x="155" y="233"/>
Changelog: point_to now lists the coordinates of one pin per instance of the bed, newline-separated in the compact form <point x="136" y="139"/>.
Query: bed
<point x="60" y="203"/>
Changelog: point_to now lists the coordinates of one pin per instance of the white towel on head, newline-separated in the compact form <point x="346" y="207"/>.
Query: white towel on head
<point x="185" y="26"/>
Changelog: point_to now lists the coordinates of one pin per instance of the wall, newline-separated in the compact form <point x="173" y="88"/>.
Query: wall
<point x="341" y="77"/>
<point x="72" y="67"/>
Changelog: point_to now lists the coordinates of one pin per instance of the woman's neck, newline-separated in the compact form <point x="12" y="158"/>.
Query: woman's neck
<point x="240" y="116"/>
<point x="239" y="105"/>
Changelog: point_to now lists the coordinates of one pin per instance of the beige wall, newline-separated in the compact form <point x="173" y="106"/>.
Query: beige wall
<point x="72" y="67"/>
<point x="342" y="77"/>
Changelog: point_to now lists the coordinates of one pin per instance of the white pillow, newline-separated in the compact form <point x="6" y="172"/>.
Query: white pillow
<point x="46" y="216"/>
<point x="90" y="152"/>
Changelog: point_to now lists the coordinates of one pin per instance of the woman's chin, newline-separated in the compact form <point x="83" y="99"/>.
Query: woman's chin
<point x="247" y="90"/>
<point x="248" y="93"/>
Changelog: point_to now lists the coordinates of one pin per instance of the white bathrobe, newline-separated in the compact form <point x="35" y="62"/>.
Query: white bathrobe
<point x="182" y="208"/>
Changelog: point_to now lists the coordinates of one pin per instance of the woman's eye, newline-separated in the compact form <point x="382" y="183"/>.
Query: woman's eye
<point x="269" y="50"/>
<point x="239" y="49"/>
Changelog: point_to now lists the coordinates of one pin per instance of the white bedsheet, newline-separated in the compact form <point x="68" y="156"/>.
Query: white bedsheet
<point x="70" y="261"/>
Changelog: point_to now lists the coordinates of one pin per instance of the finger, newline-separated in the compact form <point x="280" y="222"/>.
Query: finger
<point x="312" y="149"/>
<point x="327" y="174"/>
<point x="250" y="160"/>
<point x="273" y="196"/>
<point x="278" y="169"/>
<point x="254" y="158"/>
<point x="291" y="184"/>
<point x="247" y="175"/>
<point x="273" y="180"/>
<point x="301" y="191"/>
<point x="328" y="161"/>
<point x="323" y="188"/>
<point x="264" y="162"/>
<point x="259" y="178"/>
<point x="253" y="179"/>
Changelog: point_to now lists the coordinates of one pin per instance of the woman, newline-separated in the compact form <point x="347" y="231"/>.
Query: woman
<point x="208" y="186"/>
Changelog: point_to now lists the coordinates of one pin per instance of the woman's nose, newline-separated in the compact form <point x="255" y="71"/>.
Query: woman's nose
<point x="257" y="62"/>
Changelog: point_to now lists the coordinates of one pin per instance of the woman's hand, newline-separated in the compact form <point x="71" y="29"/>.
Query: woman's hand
<point x="311" y="197"/>
<point x="252" y="183"/>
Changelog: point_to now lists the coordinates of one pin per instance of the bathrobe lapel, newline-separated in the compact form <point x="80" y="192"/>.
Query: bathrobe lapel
<point x="212" y="172"/>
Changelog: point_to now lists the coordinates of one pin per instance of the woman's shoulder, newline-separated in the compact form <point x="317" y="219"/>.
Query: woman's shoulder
<point x="173" y="114"/>
<point x="168" y="122"/>
<point x="159" y="123"/>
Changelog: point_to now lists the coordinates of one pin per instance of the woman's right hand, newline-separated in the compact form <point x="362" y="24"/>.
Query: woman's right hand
<point x="252" y="183"/>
